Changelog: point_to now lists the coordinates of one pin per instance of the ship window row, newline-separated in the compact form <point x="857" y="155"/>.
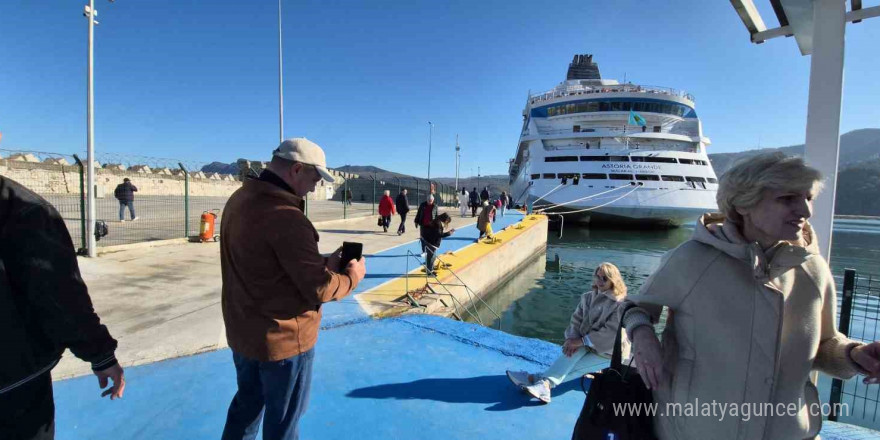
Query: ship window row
<point x="626" y="176"/>
<point x="669" y="108"/>
<point x="650" y="159"/>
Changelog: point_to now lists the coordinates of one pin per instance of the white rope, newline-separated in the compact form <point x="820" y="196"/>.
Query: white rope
<point x="547" y="194"/>
<point x="595" y="207"/>
<point x="586" y="197"/>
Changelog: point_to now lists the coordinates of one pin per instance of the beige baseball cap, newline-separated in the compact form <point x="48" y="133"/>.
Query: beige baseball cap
<point x="304" y="151"/>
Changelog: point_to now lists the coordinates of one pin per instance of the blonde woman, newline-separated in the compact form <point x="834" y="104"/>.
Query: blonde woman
<point x="752" y="312"/>
<point x="594" y="325"/>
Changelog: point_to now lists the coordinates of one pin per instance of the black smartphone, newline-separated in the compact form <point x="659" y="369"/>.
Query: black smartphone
<point x="350" y="251"/>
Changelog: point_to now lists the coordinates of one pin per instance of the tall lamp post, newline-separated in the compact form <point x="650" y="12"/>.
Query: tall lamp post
<point x="90" y="13"/>
<point x="457" y="161"/>
<point x="430" y="136"/>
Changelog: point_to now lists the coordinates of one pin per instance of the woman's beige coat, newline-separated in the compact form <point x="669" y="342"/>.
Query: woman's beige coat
<point x="598" y="316"/>
<point x="748" y="327"/>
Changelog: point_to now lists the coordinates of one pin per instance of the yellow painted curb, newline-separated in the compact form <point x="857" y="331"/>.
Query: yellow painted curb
<point x="376" y="300"/>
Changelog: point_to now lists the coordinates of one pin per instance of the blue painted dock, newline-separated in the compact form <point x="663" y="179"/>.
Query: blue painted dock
<point x="409" y="377"/>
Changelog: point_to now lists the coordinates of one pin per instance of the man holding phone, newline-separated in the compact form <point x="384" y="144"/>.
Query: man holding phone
<point x="274" y="282"/>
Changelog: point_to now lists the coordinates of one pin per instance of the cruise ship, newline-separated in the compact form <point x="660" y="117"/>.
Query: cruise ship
<point x="600" y="152"/>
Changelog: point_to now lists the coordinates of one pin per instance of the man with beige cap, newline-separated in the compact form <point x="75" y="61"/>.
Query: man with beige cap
<point x="274" y="282"/>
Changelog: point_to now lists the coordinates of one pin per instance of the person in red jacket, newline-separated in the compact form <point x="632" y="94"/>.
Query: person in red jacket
<point x="386" y="209"/>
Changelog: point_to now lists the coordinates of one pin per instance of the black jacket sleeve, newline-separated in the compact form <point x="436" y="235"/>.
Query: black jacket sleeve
<point x="42" y="267"/>
<point x="418" y="215"/>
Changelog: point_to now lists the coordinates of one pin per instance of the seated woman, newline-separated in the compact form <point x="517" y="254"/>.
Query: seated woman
<point x="752" y="312"/>
<point x="594" y="325"/>
<point x="433" y="236"/>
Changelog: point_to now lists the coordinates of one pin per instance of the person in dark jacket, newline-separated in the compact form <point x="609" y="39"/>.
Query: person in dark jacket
<point x="426" y="214"/>
<point x="402" y="205"/>
<point x="44" y="309"/>
<point x="124" y="192"/>
<point x="484" y="194"/>
<point x="432" y="236"/>
<point x="474" y="202"/>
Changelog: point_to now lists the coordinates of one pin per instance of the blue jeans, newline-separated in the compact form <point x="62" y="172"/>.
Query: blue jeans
<point x="122" y="205"/>
<point x="279" y="389"/>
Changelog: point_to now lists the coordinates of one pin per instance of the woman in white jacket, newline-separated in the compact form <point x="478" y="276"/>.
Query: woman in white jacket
<point x="594" y="325"/>
<point x="752" y="313"/>
<point x="463" y="198"/>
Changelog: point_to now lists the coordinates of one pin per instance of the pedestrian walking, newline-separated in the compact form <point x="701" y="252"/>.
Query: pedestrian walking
<point x="432" y="236"/>
<point x="124" y="192"/>
<point x="499" y="206"/>
<point x="274" y="283"/>
<point x="485" y="194"/>
<point x="504" y="199"/>
<point x="484" y="222"/>
<point x="348" y="196"/>
<point x="592" y="329"/>
<point x="44" y="309"/>
<point x="426" y="214"/>
<point x="386" y="209"/>
<point x="402" y="205"/>
<point x="463" y="199"/>
<point x="474" y="198"/>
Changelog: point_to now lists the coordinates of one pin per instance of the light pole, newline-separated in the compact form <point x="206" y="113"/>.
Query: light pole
<point x="91" y="13"/>
<point x="280" y="82"/>
<point x="430" y="136"/>
<point x="478" y="179"/>
<point x="457" y="161"/>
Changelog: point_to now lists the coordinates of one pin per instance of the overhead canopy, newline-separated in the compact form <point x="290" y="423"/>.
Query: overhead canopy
<point x="795" y="18"/>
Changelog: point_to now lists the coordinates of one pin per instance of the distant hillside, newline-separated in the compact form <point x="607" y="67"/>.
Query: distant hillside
<point x="220" y="167"/>
<point x="855" y="146"/>
<point x="858" y="189"/>
<point x="496" y="184"/>
<point x="858" y="181"/>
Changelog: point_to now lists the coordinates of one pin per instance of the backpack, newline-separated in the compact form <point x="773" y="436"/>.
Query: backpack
<point x="119" y="192"/>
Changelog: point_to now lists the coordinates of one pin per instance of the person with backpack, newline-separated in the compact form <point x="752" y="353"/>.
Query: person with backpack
<point x="124" y="192"/>
<point x="594" y="326"/>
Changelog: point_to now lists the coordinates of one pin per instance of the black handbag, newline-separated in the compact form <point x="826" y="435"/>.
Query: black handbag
<point x="381" y="221"/>
<point x="614" y="392"/>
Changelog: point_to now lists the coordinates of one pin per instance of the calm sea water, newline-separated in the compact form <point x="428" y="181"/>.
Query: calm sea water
<point x="539" y="300"/>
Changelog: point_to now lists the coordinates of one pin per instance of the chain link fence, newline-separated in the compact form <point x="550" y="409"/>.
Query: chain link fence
<point x="171" y="194"/>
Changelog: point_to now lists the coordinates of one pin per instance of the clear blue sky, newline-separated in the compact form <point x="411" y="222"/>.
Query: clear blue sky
<point x="197" y="80"/>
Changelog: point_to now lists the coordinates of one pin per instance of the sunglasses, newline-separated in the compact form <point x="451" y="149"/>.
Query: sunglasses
<point x="602" y="277"/>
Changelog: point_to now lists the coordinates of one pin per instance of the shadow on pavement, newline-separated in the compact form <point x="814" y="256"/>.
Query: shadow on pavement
<point x="496" y="391"/>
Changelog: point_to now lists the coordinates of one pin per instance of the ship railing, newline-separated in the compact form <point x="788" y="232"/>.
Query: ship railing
<point x="563" y="91"/>
<point x="618" y="130"/>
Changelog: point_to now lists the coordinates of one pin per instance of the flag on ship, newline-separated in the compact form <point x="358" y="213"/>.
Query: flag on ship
<point x="636" y="119"/>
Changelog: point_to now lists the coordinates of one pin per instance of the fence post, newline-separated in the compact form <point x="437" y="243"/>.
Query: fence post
<point x="849" y="283"/>
<point x="374" y="193"/>
<point x="418" y="192"/>
<point x="345" y="199"/>
<point x="82" y="206"/>
<point x="185" y="200"/>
